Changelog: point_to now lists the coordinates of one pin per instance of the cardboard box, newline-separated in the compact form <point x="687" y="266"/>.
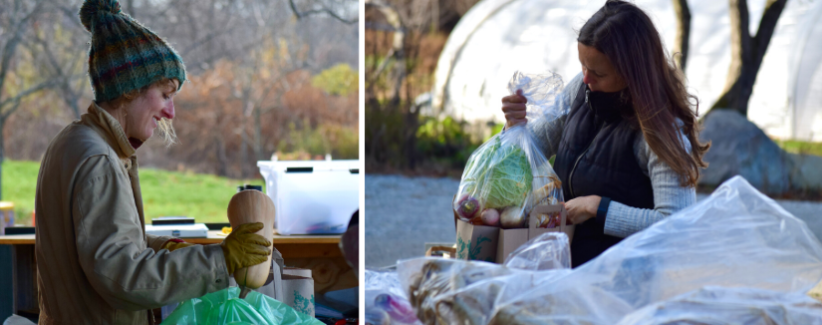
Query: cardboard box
<point x="494" y="244"/>
<point x="477" y="242"/>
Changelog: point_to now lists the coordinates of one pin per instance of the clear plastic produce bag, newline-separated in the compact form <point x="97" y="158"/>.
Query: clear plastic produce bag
<point x="225" y="307"/>
<point x="509" y="174"/>
<point x="548" y="251"/>
<point x="446" y="291"/>
<point x="385" y="300"/>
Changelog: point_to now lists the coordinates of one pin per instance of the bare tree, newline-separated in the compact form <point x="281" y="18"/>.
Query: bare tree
<point x="397" y="51"/>
<point x="320" y="7"/>
<point x="747" y="52"/>
<point x="62" y="58"/>
<point x="683" y="33"/>
<point x="15" y="23"/>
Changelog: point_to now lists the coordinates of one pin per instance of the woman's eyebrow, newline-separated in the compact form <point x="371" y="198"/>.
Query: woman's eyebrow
<point x="589" y="69"/>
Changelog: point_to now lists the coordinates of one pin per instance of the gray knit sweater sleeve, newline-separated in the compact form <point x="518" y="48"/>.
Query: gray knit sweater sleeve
<point x="669" y="197"/>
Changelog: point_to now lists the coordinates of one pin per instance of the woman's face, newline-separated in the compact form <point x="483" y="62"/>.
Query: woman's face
<point x="597" y="71"/>
<point x="145" y="111"/>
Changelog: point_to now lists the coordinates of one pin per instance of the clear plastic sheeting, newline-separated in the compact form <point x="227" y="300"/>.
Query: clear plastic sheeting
<point x="446" y="291"/>
<point x="737" y="238"/>
<point x="548" y="251"/>
<point x="541" y="89"/>
<point x="385" y="300"/>
<point x="225" y="307"/>
<point x="719" y="305"/>
<point x="509" y="174"/>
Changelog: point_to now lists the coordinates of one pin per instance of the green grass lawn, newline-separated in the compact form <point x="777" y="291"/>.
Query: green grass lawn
<point x="808" y="148"/>
<point x="201" y="196"/>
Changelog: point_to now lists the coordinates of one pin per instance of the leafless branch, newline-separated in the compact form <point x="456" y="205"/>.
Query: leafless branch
<point x="320" y="11"/>
<point x="23" y="94"/>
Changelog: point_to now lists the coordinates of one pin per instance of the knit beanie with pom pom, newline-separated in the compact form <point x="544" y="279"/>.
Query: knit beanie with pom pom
<point x="125" y="55"/>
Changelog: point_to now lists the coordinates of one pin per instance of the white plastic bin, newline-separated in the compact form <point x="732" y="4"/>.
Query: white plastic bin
<point x="312" y="197"/>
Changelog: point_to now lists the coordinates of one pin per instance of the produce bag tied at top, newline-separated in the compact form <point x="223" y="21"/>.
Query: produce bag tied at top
<point x="509" y="174"/>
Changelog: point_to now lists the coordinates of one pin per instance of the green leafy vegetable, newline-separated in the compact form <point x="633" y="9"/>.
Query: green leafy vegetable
<point x="503" y="176"/>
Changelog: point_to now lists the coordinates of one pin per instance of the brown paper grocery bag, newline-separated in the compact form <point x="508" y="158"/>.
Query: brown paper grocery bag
<point x="534" y="231"/>
<point x="298" y="290"/>
<point x="510" y="240"/>
<point x="476" y="242"/>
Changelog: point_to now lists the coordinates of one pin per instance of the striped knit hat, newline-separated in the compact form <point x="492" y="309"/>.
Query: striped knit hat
<point x="124" y="54"/>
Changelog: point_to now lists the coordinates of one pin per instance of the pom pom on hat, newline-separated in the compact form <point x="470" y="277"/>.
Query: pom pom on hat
<point x="91" y="9"/>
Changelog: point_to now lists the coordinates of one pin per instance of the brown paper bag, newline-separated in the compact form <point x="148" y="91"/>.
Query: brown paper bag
<point x="533" y="231"/>
<point x="511" y="239"/>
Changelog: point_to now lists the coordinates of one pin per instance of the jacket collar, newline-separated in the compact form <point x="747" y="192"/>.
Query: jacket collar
<point x="110" y="129"/>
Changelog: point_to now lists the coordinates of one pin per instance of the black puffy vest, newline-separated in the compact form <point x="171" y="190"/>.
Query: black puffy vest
<point x="596" y="157"/>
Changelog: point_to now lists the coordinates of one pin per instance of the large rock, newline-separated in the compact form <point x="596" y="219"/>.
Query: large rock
<point x="739" y="147"/>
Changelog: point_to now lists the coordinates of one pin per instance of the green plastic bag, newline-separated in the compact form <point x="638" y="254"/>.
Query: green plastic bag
<point x="225" y="307"/>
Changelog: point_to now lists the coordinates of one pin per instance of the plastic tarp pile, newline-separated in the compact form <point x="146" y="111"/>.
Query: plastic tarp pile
<point x="736" y="254"/>
<point x="225" y="307"/>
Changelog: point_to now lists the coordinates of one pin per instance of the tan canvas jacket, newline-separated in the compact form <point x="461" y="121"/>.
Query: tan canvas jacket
<point x="95" y="263"/>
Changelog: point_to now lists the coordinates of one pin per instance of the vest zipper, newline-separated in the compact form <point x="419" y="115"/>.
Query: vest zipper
<point x="573" y="169"/>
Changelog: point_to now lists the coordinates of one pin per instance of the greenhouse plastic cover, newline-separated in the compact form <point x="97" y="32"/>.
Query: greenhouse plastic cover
<point x="497" y="37"/>
<point x="737" y="238"/>
<point x="225" y="307"/>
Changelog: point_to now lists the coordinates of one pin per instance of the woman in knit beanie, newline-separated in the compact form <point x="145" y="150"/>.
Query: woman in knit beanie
<point x="96" y="264"/>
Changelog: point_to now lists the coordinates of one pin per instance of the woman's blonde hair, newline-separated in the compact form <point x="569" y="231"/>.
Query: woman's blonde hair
<point x="165" y="125"/>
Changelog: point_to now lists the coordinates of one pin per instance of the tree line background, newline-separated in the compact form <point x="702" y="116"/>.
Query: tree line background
<point x="265" y="77"/>
<point x="403" y="41"/>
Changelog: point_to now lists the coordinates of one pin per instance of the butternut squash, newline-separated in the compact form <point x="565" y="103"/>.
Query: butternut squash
<point x="247" y="207"/>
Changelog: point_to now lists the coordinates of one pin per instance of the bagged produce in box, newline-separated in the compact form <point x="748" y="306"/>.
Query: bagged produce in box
<point x="509" y="174"/>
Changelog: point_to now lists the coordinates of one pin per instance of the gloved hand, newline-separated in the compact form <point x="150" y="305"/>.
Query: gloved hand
<point x="175" y="244"/>
<point x="243" y="248"/>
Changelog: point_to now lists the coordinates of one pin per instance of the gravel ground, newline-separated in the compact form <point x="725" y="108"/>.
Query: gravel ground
<point x="402" y="214"/>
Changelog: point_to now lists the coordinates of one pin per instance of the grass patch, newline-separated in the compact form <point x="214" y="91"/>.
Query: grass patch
<point x="801" y="147"/>
<point x="165" y="193"/>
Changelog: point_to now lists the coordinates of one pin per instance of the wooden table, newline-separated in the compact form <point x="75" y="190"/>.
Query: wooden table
<point x="319" y="253"/>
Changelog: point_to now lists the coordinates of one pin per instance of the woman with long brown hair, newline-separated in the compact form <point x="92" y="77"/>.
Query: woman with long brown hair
<point x="627" y="148"/>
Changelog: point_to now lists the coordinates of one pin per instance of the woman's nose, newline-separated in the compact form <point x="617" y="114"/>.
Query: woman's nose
<point x="586" y="78"/>
<point x="168" y="111"/>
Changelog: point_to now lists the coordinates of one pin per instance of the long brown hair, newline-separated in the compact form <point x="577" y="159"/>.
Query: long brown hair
<point x="626" y="35"/>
